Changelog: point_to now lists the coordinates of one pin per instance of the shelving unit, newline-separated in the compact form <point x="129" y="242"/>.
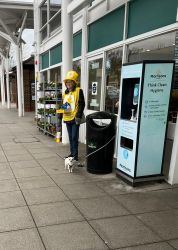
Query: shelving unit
<point x="49" y="98"/>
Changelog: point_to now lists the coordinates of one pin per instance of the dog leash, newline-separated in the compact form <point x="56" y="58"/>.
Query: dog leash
<point x="86" y="156"/>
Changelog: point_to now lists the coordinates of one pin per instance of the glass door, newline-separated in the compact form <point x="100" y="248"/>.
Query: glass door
<point x="95" y="80"/>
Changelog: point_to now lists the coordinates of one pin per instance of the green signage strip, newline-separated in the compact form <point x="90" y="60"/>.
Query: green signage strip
<point x="147" y="15"/>
<point x="106" y="30"/>
<point x="44" y="60"/>
<point x="56" y="54"/>
<point x="155" y="103"/>
<point x="77" y="44"/>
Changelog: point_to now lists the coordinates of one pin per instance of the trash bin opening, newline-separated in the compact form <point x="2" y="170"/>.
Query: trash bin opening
<point x="100" y="123"/>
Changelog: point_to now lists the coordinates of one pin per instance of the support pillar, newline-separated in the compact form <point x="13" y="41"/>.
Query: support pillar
<point x="67" y="51"/>
<point x="19" y="88"/>
<point x="173" y="171"/>
<point x="2" y="83"/>
<point x="7" y="82"/>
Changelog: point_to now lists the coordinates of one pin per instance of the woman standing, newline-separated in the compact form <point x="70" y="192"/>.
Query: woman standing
<point x="73" y="106"/>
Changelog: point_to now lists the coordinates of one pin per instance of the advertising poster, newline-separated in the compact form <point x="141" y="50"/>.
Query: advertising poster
<point x="155" y="103"/>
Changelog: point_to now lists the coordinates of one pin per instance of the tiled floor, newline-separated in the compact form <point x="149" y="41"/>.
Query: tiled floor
<point x="43" y="207"/>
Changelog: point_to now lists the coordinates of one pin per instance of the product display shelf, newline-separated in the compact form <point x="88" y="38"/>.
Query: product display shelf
<point x="49" y="99"/>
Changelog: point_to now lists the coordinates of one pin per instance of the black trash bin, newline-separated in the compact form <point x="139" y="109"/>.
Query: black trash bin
<point x="97" y="135"/>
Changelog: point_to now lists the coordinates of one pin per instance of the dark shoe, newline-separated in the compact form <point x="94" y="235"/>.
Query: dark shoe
<point x="68" y="156"/>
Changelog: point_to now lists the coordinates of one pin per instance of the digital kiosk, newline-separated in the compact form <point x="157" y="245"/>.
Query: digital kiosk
<point x="144" y="104"/>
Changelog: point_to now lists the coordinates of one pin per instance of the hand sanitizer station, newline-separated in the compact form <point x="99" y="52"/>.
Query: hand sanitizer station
<point x="144" y="104"/>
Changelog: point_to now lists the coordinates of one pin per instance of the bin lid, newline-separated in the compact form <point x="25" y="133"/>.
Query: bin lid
<point x="101" y="115"/>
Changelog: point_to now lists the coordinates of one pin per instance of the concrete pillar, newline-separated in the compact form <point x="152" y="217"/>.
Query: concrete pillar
<point x="173" y="171"/>
<point x="7" y="82"/>
<point x="21" y="76"/>
<point x="84" y="66"/>
<point x="19" y="88"/>
<point x="2" y="83"/>
<point x="67" y="51"/>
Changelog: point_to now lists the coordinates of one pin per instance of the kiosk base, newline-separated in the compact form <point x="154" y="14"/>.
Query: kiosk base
<point x="136" y="181"/>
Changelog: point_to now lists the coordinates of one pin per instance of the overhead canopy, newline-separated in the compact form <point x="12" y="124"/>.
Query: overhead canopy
<point x="14" y="15"/>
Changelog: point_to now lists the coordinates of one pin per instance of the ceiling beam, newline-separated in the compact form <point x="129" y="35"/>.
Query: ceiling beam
<point x="77" y="5"/>
<point x="22" y="27"/>
<point x="7" y="30"/>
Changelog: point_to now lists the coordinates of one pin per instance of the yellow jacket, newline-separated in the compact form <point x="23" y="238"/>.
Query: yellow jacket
<point x="72" y="98"/>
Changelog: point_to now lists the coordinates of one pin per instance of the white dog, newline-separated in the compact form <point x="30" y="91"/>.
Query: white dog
<point x="69" y="164"/>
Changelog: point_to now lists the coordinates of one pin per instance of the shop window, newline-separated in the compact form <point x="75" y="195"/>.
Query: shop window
<point x="77" y="68"/>
<point x="55" y="23"/>
<point x="156" y="48"/>
<point x="113" y="73"/>
<point x="54" y="6"/>
<point x="162" y="47"/>
<point x="43" y="13"/>
<point x="55" y="75"/>
<point x="50" y="18"/>
<point x="94" y="84"/>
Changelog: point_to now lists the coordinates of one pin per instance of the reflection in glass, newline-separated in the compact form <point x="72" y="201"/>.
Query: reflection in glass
<point x="55" y="6"/>
<point x="44" y="13"/>
<point x="94" y="84"/>
<point x="55" y="22"/>
<point x="156" y="48"/>
<point x="77" y="68"/>
<point x="55" y="75"/>
<point x="113" y="74"/>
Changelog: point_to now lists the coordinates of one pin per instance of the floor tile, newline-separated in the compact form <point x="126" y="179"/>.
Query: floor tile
<point x="6" y="174"/>
<point x="44" y="155"/>
<point x="24" y="164"/>
<point x="11" y="199"/>
<point x="82" y="190"/>
<point x="68" y="178"/>
<point x="95" y="208"/>
<point x="174" y="243"/>
<point x="8" y="185"/>
<point x="123" y="231"/>
<point x="155" y="246"/>
<point x="19" y="157"/>
<point x="170" y="196"/>
<point x="164" y="223"/>
<point x="73" y="236"/>
<point x="55" y="213"/>
<point x="35" y="182"/>
<point x="28" y="172"/>
<point x="15" y="218"/>
<point x="54" y="169"/>
<point x="43" y="195"/>
<point x="142" y="202"/>
<point x="17" y="151"/>
<point x="27" y="239"/>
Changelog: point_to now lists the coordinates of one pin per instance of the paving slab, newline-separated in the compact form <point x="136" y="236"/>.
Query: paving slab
<point x="11" y="199"/>
<point x="27" y="239"/>
<point x="123" y="231"/>
<point x="68" y="178"/>
<point x="155" y="246"/>
<point x="24" y="164"/>
<point x="174" y="243"/>
<point x="142" y="202"/>
<point x="100" y="207"/>
<point x="73" y="236"/>
<point x="15" y="219"/>
<point x="164" y="223"/>
<point x="35" y="182"/>
<point x="55" y="213"/>
<point x="43" y="195"/>
<point x="82" y="190"/>
<point x="23" y="157"/>
<point x="28" y="172"/>
<point x="8" y="185"/>
<point x="6" y="174"/>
